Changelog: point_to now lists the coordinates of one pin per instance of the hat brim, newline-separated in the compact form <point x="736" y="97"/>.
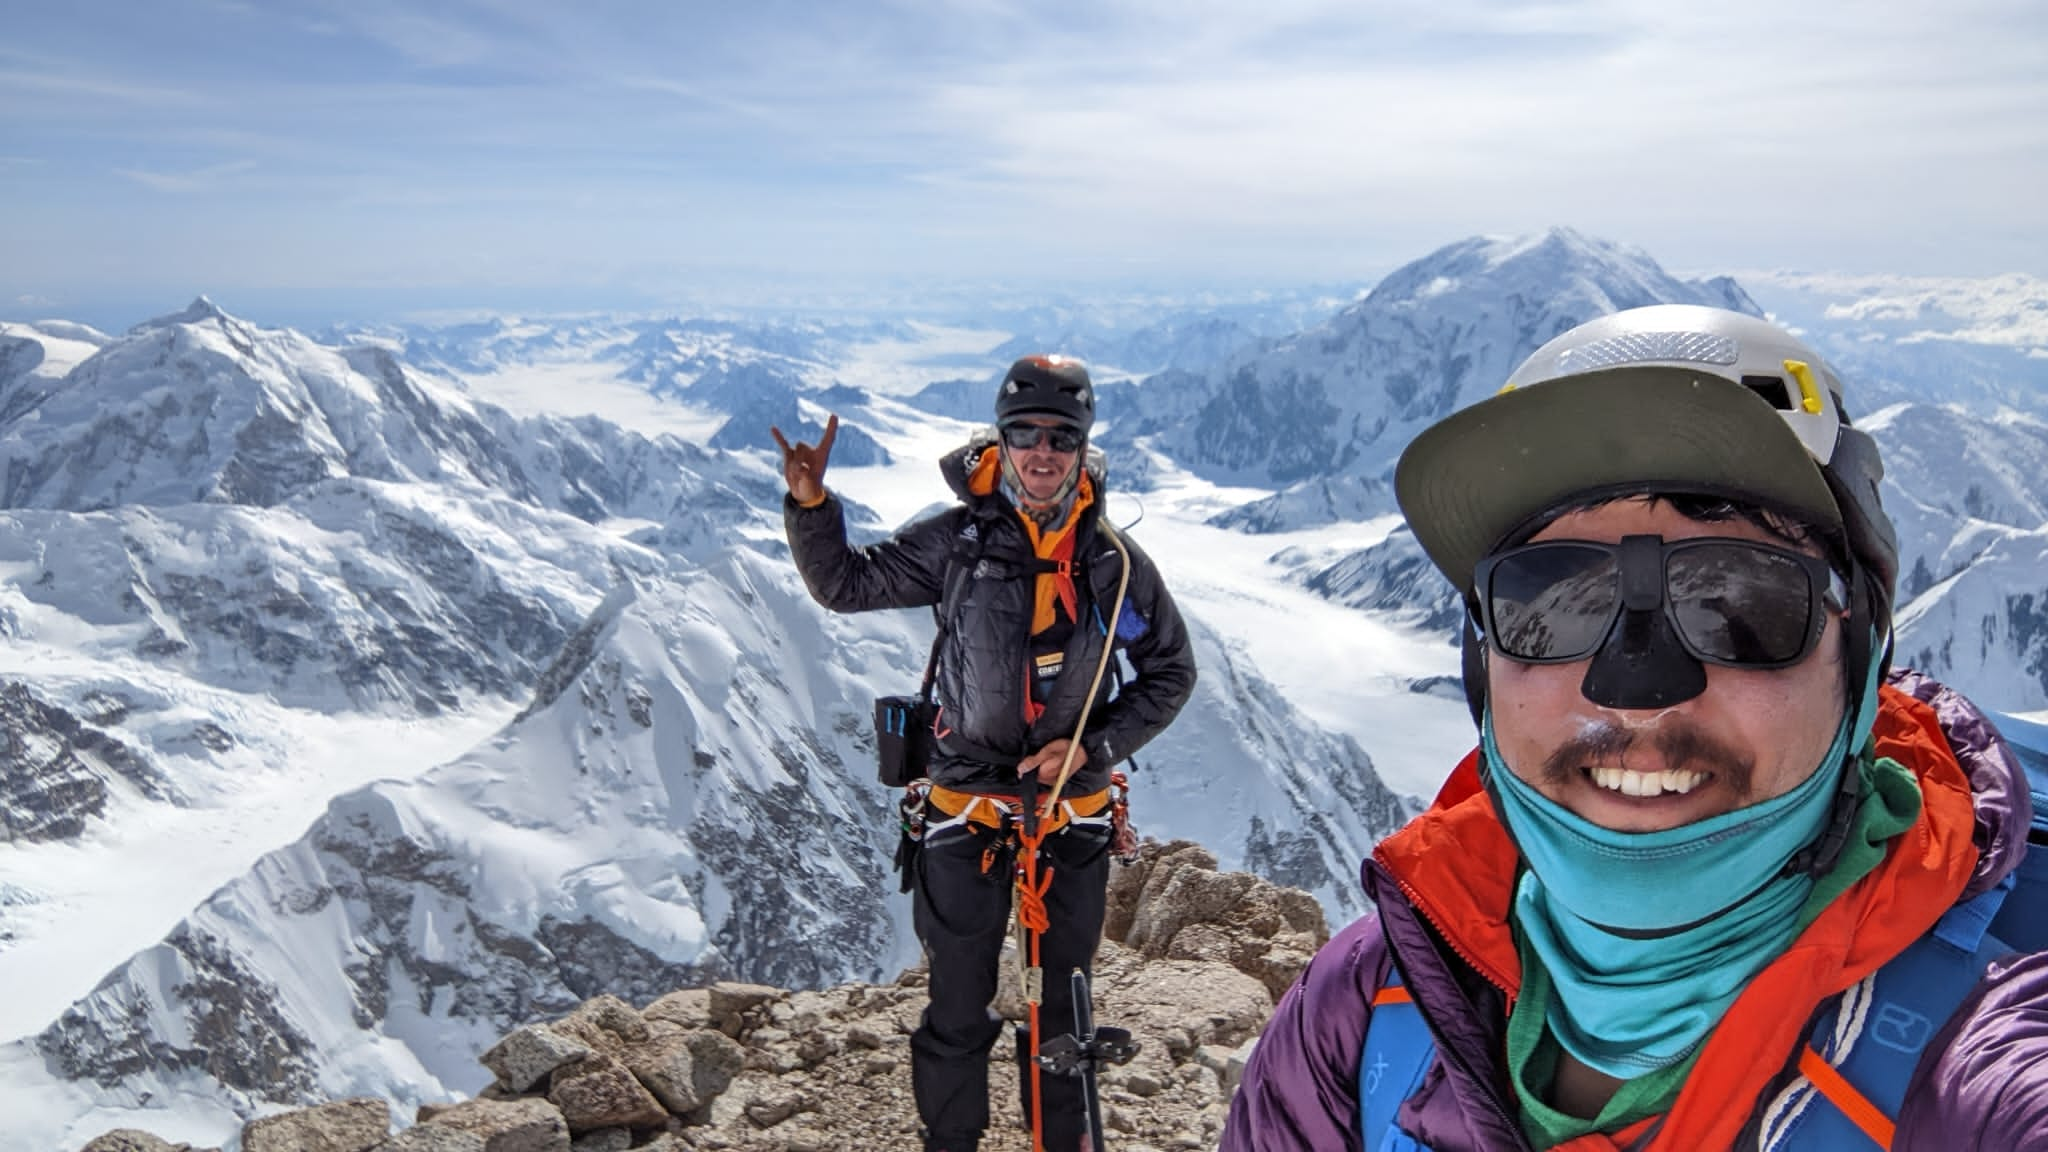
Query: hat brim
<point x="1483" y="472"/>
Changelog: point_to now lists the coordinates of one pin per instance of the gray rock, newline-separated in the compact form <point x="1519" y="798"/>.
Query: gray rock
<point x="768" y="1111"/>
<point x="601" y="1093"/>
<point x="1142" y="1084"/>
<point x="1214" y="1057"/>
<point x="715" y="1059"/>
<point x="688" y="1008"/>
<point x="731" y="1002"/>
<point x="606" y="1024"/>
<point x="433" y="1138"/>
<point x="356" y="1125"/>
<point x="604" y="1140"/>
<point x="525" y="1125"/>
<point x="526" y="1057"/>
<point x="134" y="1140"/>
<point x="667" y="1066"/>
<point x="1233" y="1072"/>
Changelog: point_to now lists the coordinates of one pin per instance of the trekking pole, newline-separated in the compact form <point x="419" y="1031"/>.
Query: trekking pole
<point x="1082" y="1054"/>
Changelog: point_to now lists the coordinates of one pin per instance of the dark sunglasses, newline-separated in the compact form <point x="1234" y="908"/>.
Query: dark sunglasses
<point x="1021" y="437"/>
<point x="1732" y="602"/>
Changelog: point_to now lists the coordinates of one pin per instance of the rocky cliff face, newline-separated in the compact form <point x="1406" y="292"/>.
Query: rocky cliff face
<point x="1192" y="964"/>
<point x="57" y="764"/>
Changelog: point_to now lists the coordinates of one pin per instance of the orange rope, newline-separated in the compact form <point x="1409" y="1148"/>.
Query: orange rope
<point x="1031" y="903"/>
<point x="1031" y="913"/>
<point x="1843" y="1095"/>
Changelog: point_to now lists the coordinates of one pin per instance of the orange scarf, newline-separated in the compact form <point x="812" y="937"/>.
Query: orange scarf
<point x="1057" y="545"/>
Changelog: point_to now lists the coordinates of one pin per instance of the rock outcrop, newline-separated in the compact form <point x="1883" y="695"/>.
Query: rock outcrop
<point x="1191" y="964"/>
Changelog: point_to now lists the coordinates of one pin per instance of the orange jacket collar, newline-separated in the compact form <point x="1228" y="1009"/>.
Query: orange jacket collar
<point x="1456" y="864"/>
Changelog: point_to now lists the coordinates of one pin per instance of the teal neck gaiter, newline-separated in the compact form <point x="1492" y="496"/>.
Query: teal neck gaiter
<point x="1649" y="936"/>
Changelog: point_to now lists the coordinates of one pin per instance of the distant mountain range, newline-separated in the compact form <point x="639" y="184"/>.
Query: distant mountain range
<point x="201" y="516"/>
<point x="688" y="792"/>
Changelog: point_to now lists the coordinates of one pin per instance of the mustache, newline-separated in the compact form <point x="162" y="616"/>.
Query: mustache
<point x="1680" y="743"/>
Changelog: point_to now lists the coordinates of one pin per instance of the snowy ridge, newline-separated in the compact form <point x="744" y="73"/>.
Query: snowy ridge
<point x="1985" y="629"/>
<point x="688" y="790"/>
<point x="203" y="407"/>
<point x="1342" y="399"/>
<point x="690" y="797"/>
<point x="669" y="815"/>
<point x="687" y="793"/>
<point x="1948" y="473"/>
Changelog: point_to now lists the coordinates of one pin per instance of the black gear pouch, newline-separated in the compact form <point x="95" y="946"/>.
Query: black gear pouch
<point x="903" y="739"/>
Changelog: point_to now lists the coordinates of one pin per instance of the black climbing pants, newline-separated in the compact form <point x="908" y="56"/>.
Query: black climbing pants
<point x="963" y="916"/>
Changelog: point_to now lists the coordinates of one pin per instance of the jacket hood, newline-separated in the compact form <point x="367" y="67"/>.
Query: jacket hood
<point x="1998" y="781"/>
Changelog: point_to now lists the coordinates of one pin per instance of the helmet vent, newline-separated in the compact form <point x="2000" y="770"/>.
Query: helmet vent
<point x="1772" y="389"/>
<point x="1648" y="348"/>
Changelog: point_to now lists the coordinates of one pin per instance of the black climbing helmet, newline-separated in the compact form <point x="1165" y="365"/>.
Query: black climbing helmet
<point x="1055" y="386"/>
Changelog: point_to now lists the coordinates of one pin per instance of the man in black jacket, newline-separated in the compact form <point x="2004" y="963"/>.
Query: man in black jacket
<point x="1025" y="574"/>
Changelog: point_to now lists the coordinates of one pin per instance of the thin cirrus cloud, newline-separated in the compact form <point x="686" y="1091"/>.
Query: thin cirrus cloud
<point x="377" y="140"/>
<point x="199" y="180"/>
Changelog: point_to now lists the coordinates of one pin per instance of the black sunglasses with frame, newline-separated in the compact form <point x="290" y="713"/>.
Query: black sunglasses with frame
<point x="1063" y="437"/>
<point x="1732" y="601"/>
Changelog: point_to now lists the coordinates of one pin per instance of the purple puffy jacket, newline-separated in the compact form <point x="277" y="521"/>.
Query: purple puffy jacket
<point x="1983" y="1084"/>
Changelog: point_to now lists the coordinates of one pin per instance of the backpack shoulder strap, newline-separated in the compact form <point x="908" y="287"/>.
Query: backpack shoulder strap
<point x="1861" y="1053"/>
<point x="1398" y="1052"/>
<point x="2023" y="922"/>
<point x="970" y="544"/>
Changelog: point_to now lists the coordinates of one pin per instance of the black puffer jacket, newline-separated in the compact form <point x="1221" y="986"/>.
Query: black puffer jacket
<point x="980" y="549"/>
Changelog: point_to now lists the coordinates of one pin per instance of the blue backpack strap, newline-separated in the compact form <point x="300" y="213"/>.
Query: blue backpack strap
<point x="1876" y="1031"/>
<point x="1398" y="1051"/>
<point x="2024" y="921"/>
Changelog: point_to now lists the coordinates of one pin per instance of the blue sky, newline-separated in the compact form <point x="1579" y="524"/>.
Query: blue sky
<point x="369" y="156"/>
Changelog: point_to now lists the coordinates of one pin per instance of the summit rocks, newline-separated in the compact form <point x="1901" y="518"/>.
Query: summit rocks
<point x="1192" y="963"/>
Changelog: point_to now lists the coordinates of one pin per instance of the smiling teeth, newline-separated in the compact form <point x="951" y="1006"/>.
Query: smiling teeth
<point x="1632" y="783"/>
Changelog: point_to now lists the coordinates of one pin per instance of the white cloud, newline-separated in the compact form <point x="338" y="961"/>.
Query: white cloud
<point x="196" y="180"/>
<point x="1301" y="139"/>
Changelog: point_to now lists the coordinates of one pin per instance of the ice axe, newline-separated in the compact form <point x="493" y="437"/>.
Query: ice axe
<point x="1082" y="1053"/>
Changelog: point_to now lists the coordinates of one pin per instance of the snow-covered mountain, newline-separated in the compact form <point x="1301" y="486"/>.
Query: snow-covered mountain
<point x="689" y="797"/>
<point x="227" y="554"/>
<point x="1344" y="397"/>
<point x="214" y="525"/>
<point x="1968" y="493"/>
<point x="271" y="515"/>
<point x="1957" y="420"/>
<point x="1142" y="335"/>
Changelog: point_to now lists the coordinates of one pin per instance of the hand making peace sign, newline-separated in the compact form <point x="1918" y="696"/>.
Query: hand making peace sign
<point x="803" y="467"/>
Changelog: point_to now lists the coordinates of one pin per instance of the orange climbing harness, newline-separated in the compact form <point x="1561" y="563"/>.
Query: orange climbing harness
<point x="1110" y="808"/>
